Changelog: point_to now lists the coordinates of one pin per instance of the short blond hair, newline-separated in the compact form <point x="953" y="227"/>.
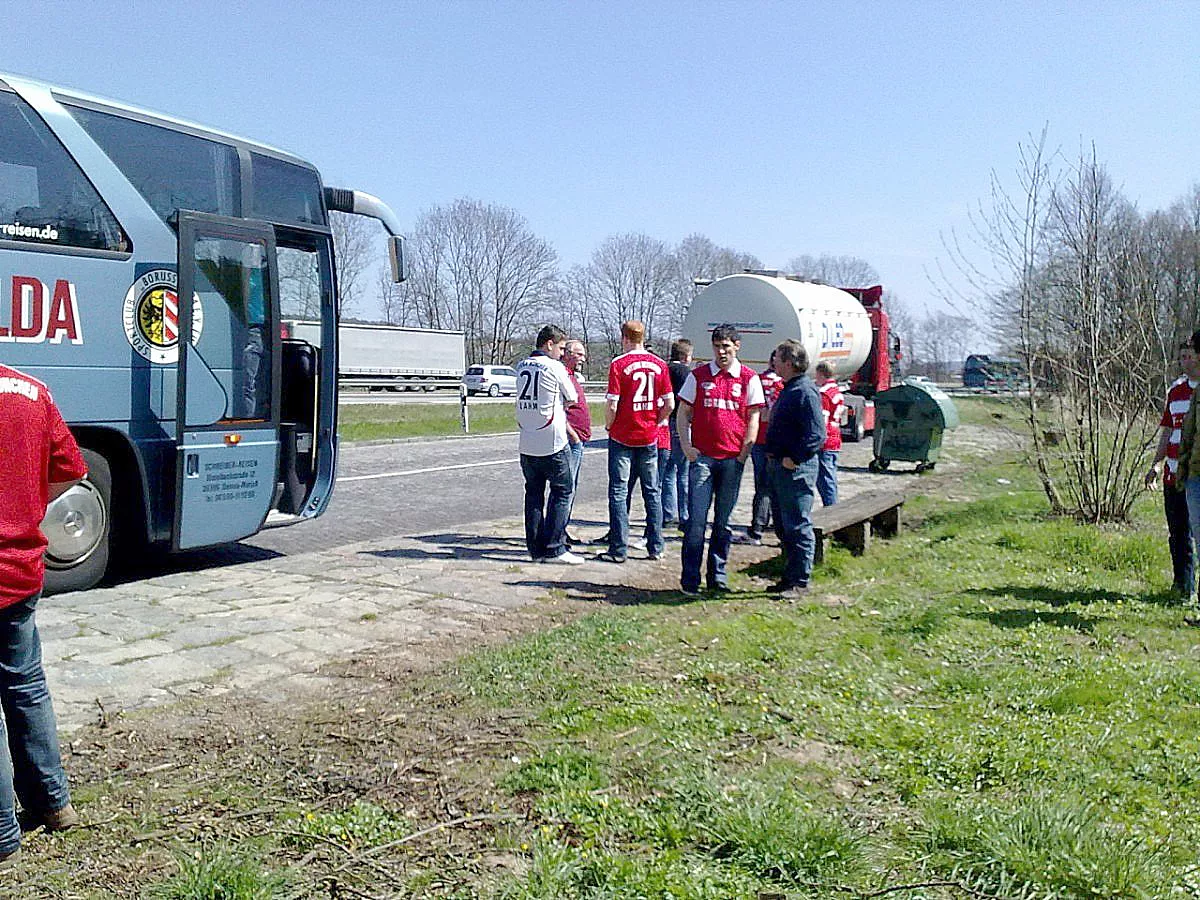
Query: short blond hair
<point x="633" y="331"/>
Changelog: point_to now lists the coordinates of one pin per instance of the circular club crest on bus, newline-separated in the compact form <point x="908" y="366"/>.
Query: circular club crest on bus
<point x="151" y="316"/>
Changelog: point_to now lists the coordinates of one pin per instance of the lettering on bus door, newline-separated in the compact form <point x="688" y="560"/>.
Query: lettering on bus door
<point x="227" y="420"/>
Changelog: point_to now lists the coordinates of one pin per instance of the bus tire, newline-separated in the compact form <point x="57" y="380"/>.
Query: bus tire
<point x="79" y="526"/>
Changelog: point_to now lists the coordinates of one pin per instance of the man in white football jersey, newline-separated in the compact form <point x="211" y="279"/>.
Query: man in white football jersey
<point x="544" y="390"/>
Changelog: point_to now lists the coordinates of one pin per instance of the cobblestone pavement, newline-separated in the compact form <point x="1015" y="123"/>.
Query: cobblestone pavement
<point x="267" y="626"/>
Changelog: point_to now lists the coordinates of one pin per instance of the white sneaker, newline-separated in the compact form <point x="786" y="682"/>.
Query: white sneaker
<point x="637" y="543"/>
<point x="566" y="558"/>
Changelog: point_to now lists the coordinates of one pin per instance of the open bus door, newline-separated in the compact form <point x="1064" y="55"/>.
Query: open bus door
<point x="227" y="396"/>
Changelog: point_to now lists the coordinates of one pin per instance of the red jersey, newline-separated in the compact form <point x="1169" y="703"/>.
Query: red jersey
<point x="772" y="384"/>
<point x="638" y="381"/>
<point x="721" y="402"/>
<point x="1179" y="398"/>
<point x="36" y="449"/>
<point x="579" y="417"/>
<point x="833" y="406"/>
<point x="664" y="436"/>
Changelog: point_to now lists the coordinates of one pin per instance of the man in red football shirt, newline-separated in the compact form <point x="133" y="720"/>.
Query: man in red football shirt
<point x="760" y="507"/>
<point x="640" y="401"/>
<point x="40" y="461"/>
<point x="1179" y="400"/>
<point x="718" y="424"/>
<point x="833" y="407"/>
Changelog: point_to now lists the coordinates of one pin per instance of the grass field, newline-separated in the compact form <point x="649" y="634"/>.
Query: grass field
<point x="995" y="704"/>
<point x="378" y="421"/>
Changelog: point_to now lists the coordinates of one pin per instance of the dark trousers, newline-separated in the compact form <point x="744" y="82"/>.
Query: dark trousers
<point x="760" y="516"/>
<point x="546" y="521"/>
<point x="1179" y="539"/>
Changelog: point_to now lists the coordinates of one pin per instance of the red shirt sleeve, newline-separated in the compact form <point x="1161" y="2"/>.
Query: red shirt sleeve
<point x="614" y="381"/>
<point x="66" y="462"/>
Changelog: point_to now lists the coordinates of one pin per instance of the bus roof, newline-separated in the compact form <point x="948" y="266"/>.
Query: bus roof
<point x="148" y="115"/>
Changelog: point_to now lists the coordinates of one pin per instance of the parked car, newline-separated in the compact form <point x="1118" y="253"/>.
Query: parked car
<point x="490" y="380"/>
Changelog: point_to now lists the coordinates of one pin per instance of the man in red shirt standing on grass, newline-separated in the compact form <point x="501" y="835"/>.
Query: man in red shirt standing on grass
<point x="718" y="424"/>
<point x="640" y="401"/>
<point x="40" y="461"/>
<point x="1179" y="400"/>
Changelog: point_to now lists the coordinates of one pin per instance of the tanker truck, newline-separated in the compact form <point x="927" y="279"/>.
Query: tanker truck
<point x="845" y="327"/>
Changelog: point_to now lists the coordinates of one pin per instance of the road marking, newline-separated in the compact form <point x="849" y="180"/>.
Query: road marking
<point x="480" y="465"/>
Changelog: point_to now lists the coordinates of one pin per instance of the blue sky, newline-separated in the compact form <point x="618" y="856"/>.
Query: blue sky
<point x="776" y="128"/>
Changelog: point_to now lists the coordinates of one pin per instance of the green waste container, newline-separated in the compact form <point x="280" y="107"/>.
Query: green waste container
<point x="909" y="421"/>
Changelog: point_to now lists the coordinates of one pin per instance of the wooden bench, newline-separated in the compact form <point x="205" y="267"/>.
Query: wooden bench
<point x="852" y="522"/>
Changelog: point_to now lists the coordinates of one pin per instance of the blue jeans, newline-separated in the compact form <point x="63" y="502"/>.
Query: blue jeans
<point x="760" y="516"/>
<point x="624" y="463"/>
<point x="545" y="522"/>
<point x="827" y="476"/>
<point x="791" y="502"/>
<point x="709" y="480"/>
<point x="675" y="484"/>
<point x="1179" y="539"/>
<point x="32" y="769"/>
<point x="576" y="464"/>
<point x="1191" y="490"/>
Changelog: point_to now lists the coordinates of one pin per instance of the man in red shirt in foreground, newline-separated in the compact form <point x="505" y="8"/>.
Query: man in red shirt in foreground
<point x="640" y="401"/>
<point x="1179" y="400"/>
<point x="720" y="404"/>
<point x="40" y="461"/>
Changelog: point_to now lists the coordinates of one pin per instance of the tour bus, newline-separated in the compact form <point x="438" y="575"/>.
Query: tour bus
<point x="146" y="264"/>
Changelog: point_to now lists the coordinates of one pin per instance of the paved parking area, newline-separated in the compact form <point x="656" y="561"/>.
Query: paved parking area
<point x="267" y="626"/>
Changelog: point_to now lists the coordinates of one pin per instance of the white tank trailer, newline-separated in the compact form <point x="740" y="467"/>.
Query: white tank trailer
<point x="832" y="325"/>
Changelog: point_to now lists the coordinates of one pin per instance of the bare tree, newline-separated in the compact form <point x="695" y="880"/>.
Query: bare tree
<point x="839" y="271"/>
<point x="354" y="247"/>
<point x="478" y="267"/>
<point x="699" y="259"/>
<point x="630" y="277"/>
<point x="1080" y="302"/>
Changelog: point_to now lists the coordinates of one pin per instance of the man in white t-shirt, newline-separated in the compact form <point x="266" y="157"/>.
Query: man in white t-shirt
<point x="544" y="390"/>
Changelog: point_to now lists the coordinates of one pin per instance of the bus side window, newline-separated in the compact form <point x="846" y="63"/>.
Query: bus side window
<point x="44" y="196"/>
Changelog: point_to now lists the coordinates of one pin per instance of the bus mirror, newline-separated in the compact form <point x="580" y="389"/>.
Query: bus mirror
<point x="397" y="259"/>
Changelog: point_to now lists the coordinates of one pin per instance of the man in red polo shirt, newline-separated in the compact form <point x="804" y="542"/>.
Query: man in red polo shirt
<point x="718" y="424"/>
<point x="1179" y="400"/>
<point x="40" y="461"/>
<point x="640" y="401"/>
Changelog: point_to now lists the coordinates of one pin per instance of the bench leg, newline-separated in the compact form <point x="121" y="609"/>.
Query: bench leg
<point x="887" y="523"/>
<point x="857" y="537"/>
<point x="818" y="547"/>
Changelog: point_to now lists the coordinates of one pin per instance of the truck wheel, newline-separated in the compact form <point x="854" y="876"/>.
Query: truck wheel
<point x="494" y="390"/>
<point x="79" y="527"/>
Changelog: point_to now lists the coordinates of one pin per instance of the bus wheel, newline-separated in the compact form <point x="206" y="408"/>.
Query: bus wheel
<point x="79" y="528"/>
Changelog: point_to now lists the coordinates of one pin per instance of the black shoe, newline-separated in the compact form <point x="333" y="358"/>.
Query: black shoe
<point x="718" y="587"/>
<point x="608" y="557"/>
<point x="654" y="555"/>
<point x="748" y="538"/>
<point x="689" y="592"/>
<point x="794" y="593"/>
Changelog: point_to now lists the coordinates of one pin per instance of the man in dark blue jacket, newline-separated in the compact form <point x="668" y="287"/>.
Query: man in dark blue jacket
<point x="794" y="438"/>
